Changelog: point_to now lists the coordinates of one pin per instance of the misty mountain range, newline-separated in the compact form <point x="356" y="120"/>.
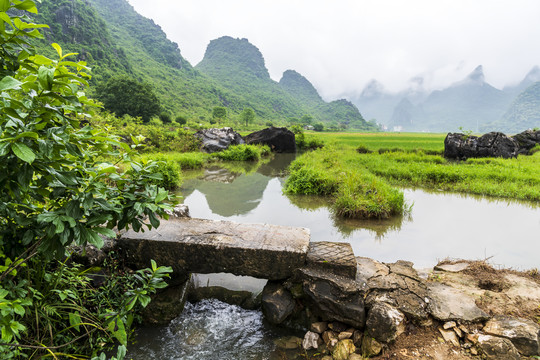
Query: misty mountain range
<point x="471" y="104"/>
<point x="115" y="40"/>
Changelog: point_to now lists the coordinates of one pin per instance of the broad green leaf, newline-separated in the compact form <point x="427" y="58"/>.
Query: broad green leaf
<point x="27" y="134"/>
<point x="3" y="16"/>
<point x="42" y="60"/>
<point x="116" y="327"/>
<point x="58" y="48"/>
<point x="27" y="5"/>
<point x="162" y="195"/>
<point x="95" y="239"/>
<point x="46" y="77"/>
<point x="23" y="152"/>
<point x="9" y="83"/>
<point x="4" y="148"/>
<point x="75" y="320"/>
<point x="106" y="232"/>
<point x="4" y="5"/>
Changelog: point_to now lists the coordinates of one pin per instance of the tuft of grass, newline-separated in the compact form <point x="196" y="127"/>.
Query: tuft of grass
<point x="356" y="193"/>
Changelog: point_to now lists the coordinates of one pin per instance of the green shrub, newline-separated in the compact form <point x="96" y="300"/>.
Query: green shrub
<point x="363" y="149"/>
<point x="166" y="174"/>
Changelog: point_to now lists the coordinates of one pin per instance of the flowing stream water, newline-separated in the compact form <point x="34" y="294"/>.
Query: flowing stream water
<point x="440" y="225"/>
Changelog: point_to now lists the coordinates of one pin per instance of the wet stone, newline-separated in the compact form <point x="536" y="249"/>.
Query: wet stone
<point x="337" y="258"/>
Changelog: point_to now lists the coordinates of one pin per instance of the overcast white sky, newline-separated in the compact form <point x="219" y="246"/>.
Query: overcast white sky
<point x="340" y="45"/>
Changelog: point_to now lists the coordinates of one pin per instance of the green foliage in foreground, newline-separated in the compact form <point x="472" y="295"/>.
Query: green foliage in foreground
<point x="57" y="189"/>
<point x="356" y="192"/>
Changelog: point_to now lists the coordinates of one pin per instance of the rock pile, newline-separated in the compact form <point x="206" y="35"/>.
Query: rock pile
<point x="494" y="144"/>
<point x="348" y="318"/>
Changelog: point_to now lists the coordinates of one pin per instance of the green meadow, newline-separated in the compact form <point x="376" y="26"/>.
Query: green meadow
<point x="362" y="173"/>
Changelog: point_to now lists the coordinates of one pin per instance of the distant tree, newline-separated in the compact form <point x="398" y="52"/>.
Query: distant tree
<point x="123" y="95"/>
<point x="181" y="120"/>
<point x="247" y="115"/>
<point x="269" y="124"/>
<point x="219" y="113"/>
<point x="306" y="119"/>
<point x="165" y="117"/>
<point x="294" y="121"/>
<point x="318" y="127"/>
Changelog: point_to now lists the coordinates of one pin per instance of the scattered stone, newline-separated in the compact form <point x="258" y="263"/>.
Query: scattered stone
<point x="214" y="140"/>
<point x="463" y="328"/>
<point x="311" y="341"/>
<point x="343" y="350"/>
<point x="356" y="357"/>
<point x="385" y="323"/>
<point x="347" y="334"/>
<point x="277" y="303"/>
<point x="449" y="336"/>
<point x="458" y="332"/>
<point x="327" y="358"/>
<point x="319" y="327"/>
<point x="357" y="338"/>
<point x="337" y="258"/>
<point x="288" y="343"/>
<point x="496" y="348"/>
<point x="337" y="326"/>
<point x="179" y="211"/>
<point x="523" y="333"/>
<point x="370" y="347"/>
<point x="449" y="324"/>
<point x="494" y="144"/>
<point x="330" y="339"/>
<point x="280" y="140"/>
<point x="452" y="267"/>
<point x="449" y="304"/>
<point x="474" y="352"/>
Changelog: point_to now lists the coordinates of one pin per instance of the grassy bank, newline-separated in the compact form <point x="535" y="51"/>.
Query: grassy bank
<point x="361" y="183"/>
<point x="171" y="164"/>
<point x="356" y="192"/>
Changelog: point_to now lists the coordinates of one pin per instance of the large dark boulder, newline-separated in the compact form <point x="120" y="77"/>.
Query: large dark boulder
<point x="280" y="140"/>
<point x="494" y="144"/>
<point x="214" y="140"/>
<point x="527" y="140"/>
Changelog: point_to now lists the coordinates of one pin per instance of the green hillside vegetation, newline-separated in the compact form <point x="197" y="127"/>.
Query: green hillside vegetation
<point x="115" y="41"/>
<point x="240" y="66"/>
<point x="524" y="113"/>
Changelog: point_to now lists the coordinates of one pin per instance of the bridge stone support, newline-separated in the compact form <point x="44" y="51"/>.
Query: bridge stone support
<point x="207" y="246"/>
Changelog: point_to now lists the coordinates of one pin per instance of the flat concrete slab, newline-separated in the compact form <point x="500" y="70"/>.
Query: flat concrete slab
<point x="334" y="257"/>
<point x="206" y="246"/>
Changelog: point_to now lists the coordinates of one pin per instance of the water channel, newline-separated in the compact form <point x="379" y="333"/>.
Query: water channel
<point x="441" y="225"/>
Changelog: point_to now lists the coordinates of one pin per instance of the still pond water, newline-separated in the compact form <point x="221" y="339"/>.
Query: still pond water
<point x="441" y="225"/>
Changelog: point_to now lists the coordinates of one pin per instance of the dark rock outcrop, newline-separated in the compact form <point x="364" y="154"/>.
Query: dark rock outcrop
<point x="277" y="303"/>
<point x="527" y="140"/>
<point x="335" y="298"/>
<point x="494" y="144"/>
<point x="384" y="322"/>
<point x="214" y="140"/>
<point x="280" y="140"/>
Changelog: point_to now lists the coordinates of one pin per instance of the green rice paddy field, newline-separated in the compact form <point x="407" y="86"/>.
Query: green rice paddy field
<point x="388" y="160"/>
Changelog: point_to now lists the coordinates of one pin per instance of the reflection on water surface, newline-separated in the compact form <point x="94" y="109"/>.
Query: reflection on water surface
<point x="441" y="225"/>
